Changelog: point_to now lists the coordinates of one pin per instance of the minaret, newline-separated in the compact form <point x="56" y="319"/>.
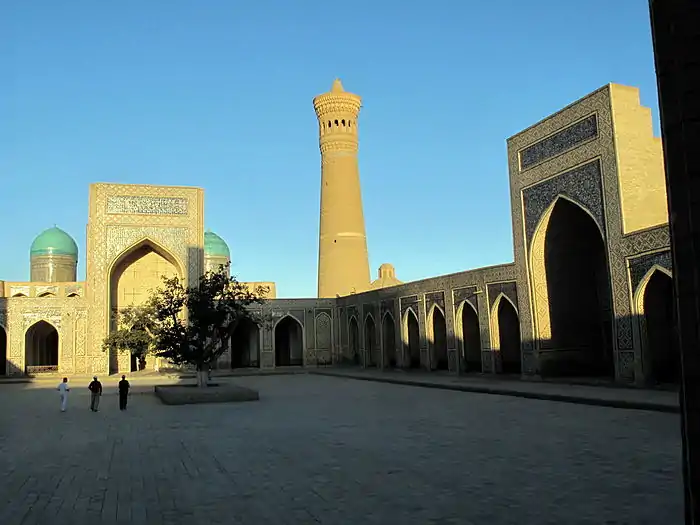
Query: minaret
<point x="343" y="264"/>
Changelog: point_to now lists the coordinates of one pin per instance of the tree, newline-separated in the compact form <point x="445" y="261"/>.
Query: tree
<point x="134" y="333"/>
<point x="193" y="324"/>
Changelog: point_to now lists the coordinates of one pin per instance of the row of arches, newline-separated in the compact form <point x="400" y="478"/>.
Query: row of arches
<point x="289" y="344"/>
<point x="44" y="295"/>
<point x="470" y="347"/>
<point x="42" y="346"/>
<point x="573" y="301"/>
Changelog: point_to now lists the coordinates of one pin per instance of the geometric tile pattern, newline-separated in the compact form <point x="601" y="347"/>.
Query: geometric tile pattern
<point x="639" y="266"/>
<point x="560" y="142"/>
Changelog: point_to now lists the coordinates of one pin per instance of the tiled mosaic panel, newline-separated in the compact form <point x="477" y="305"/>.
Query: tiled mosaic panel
<point x="641" y="265"/>
<point x="146" y="205"/>
<point x="509" y="289"/>
<point x="582" y="185"/>
<point x="323" y="331"/>
<point x="387" y="305"/>
<point x="466" y="294"/>
<point x="647" y="240"/>
<point x="437" y="298"/>
<point x="560" y="142"/>
<point x="409" y="301"/>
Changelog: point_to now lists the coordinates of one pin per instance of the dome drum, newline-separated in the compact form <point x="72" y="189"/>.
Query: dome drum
<point x="53" y="257"/>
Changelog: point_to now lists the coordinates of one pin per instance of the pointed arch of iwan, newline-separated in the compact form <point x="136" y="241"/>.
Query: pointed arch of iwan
<point x="133" y="273"/>
<point x="538" y="271"/>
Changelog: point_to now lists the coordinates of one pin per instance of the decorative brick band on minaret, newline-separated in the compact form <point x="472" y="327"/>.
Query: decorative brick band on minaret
<point x="343" y="264"/>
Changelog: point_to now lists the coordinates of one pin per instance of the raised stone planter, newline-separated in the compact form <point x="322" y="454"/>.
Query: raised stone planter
<point x="214" y="393"/>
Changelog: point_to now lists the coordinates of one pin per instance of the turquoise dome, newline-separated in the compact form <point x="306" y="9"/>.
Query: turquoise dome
<point x="215" y="246"/>
<point x="54" y="241"/>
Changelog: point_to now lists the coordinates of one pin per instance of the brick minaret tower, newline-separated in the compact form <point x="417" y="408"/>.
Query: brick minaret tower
<point x="343" y="264"/>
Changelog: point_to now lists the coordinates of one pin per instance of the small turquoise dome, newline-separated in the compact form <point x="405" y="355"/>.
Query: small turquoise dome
<point x="215" y="246"/>
<point x="54" y="241"/>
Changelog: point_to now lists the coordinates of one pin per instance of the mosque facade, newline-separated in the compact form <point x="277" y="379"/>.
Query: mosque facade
<point x="589" y="292"/>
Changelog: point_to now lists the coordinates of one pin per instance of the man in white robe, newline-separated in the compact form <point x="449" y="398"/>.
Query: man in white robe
<point x="63" y="390"/>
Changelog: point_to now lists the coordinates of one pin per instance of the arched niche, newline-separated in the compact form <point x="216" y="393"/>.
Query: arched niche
<point x="138" y="271"/>
<point x="289" y="342"/>
<point x="370" y="338"/>
<point x="469" y="336"/>
<point x="655" y="306"/>
<point x="437" y="338"/>
<point x="41" y="348"/>
<point x="245" y="345"/>
<point x="3" y="351"/>
<point x="571" y="293"/>
<point x="354" y="340"/>
<point x="411" y="339"/>
<point x="389" y="340"/>
<point x="505" y="334"/>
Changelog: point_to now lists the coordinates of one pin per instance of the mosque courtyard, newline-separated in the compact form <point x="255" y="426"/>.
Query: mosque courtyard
<point x="333" y="451"/>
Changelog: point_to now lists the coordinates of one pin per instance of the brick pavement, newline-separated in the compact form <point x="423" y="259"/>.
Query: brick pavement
<point x="617" y="396"/>
<point x="325" y="450"/>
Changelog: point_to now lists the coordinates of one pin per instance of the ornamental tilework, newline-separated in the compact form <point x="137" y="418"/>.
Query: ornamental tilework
<point x="466" y="294"/>
<point x="121" y="238"/>
<point x="146" y="205"/>
<point x="409" y="302"/>
<point x="601" y="148"/>
<point x="570" y="154"/>
<point x="323" y="331"/>
<point x="581" y="185"/>
<point x="435" y="298"/>
<point x="509" y="289"/>
<point x="639" y="266"/>
<point x="387" y="306"/>
<point x="560" y="142"/>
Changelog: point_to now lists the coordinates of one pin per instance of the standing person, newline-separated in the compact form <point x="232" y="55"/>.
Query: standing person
<point x="95" y="392"/>
<point x="63" y="388"/>
<point x="123" y="392"/>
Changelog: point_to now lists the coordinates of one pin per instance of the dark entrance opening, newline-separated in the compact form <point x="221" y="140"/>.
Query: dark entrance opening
<point x="138" y="363"/>
<point x="580" y="304"/>
<point x="354" y="336"/>
<point x="439" y="342"/>
<point x="413" y="334"/>
<point x="245" y="345"/>
<point x="471" y="339"/>
<point x="289" y="349"/>
<point x="370" y="341"/>
<point x="661" y="352"/>
<point x="3" y="351"/>
<point x="41" y="347"/>
<point x="389" y="340"/>
<point x="509" y="337"/>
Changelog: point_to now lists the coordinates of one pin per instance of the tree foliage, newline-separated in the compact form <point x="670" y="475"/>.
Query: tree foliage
<point x="193" y="324"/>
<point x="134" y="333"/>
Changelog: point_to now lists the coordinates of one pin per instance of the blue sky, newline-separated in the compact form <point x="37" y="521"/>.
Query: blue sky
<point x="218" y="93"/>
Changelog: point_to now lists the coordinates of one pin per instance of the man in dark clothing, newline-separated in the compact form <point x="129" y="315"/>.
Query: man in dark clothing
<point x="123" y="393"/>
<point x="95" y="392"/>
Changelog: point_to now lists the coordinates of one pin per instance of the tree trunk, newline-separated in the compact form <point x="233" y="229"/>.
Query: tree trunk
<point x="202" y="377"/>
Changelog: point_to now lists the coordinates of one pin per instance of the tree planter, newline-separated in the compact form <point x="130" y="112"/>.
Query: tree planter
<point x="214" y="393"/>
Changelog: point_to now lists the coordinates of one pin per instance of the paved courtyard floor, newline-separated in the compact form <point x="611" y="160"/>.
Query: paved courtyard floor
<point x="325" y="450"/>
